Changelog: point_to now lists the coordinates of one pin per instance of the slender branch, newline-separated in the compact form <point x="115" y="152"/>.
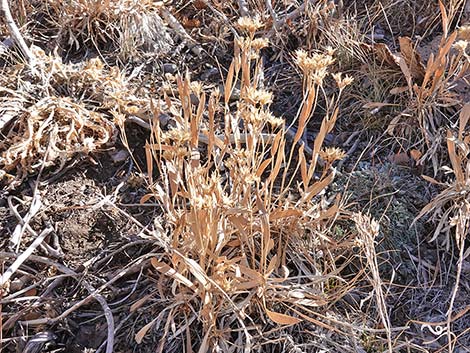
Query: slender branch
<point x="15" y="32"/>
<point x="243" y="6"/>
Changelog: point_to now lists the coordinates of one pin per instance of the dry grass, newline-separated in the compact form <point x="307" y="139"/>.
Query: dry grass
<point x="247" y="250"/>
<point x="127" y="29"/>
<point x="451" y="208"/>
<point x="72" y="115"/>
<point x="243" y="225"/>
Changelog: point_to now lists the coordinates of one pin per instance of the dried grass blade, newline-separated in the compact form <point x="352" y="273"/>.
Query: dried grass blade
<point x="455" y="159"/>
<point x="463" y="120"/>
<point x="305" y="114"/>
<point x="282" y="319"/>
<point x="139" y="336"/>
<point x="317" y="187"/>
<point x="171" y="272"/>
<point x="445" y="19"/>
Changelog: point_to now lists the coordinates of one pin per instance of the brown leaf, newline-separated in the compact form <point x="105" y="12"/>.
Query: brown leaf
<point x="170" y="272"/>
<point x="383" y="54"/>
<point x="373" y="105"/>
<point x="145" y="198"/>
<point x="282" y="319"/>
<point x="141" y="302"/>
<point x="398" y="90"/>
<point x="400" y="158"/>
<point x="415" y="154"/>
<point x="464" y="118"/>
<point x="412" y="58"/>
<point x="279" y="214"/>
<point x="262" y="167"/>
<point x="431" y="180"/>
<point x="139" y="336"/>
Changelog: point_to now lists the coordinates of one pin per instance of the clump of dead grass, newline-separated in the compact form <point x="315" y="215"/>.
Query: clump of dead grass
<point x="451" y="208"/>
<point x="127" y="28"/>
<point x="56" y="110"/>
<point x="429" y="89"/>
<point x="245" y="225"/>
<point x="50" y="131"/>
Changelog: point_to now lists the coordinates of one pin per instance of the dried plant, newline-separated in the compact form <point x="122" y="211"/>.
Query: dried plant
<point x="242" y="243"/>
<point x="451" y="208"/>
<point x="53" y="129"/>
<point x="429" y="87"/>
<point x="368" y="230"/>
<point x="73" y="115"/>
<point x="127" y="27"/>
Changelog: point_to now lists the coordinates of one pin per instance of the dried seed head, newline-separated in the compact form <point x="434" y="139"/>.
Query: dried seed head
<point x="243" y="43"/>
<point x="257" y="96"/>
<point x="332" y="154"/>
<point x="464" y="32"/>
<point x="259" y="43"/>
<point x="342" y="81"/>
<point x="461" y="46"/>
<point x="330" y="51"/>
<point x="314" y="63"/>
<point x="176" y="137"/>
<point x="249" y="24"/>
<point x="275" y="122"/>
<point x="319" y="75"/>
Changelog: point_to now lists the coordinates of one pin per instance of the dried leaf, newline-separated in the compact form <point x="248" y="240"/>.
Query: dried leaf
<point x="170" y="272"/>
<point x="455" y="159"/>
<point x="145" y="198"/>
<point x="385" y="55"/>
<point x="416" y="154"/>
<point x="412" y="59"/>
<point x="373" y="105"/>
<point x="139" y="336"/>
<point x="431" y="180"/>
<point x="445" y="19"/>
<point x="398" y="90"/>
<point x="463" y="120"/>
<point x="141" y="302"/>
<point x="279" y="214"/>
<point x="401" y="158"/>
<point x="263" y="166"/>
<point x="282" y="319"/>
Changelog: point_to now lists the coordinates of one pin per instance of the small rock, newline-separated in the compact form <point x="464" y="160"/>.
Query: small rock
<point x="118" y="156"/>
<point x="194" y="99"/>
<point x="209" y="73"/>
<point x="164" y="118"/>
<point x="169" y="68"/>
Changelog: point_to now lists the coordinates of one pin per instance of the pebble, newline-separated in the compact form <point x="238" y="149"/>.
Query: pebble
<point x="169" y="68"/>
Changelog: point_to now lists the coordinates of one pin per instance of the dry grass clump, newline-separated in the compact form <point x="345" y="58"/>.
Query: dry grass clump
<point x="245" y="228"/>
<point x="127" y="28"/>
<point x="57" y="110"/>
<point x="430" y="88"/>
<point x="404" y="17"/>
<point x="451" y="208"/>
<point x="50" y="131"/>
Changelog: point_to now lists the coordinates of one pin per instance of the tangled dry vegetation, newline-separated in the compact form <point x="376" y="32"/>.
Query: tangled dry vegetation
<point x="202" y="176"/>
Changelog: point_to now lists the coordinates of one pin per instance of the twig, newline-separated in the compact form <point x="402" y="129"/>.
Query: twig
<point x="181" y="32"/>
<point x="289" y="17"/>
<point x="273" y="14"/>
<point x="23" y="222"/>
<point x="15" y="32"/>
<point x="94" y="293"/>
<point x="243" y="6"/>
<point x="24" y="256"/>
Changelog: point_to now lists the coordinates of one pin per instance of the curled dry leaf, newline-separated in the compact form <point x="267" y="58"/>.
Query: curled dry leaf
<point x="412" y="59"/>
<point x="282" y="319"/>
